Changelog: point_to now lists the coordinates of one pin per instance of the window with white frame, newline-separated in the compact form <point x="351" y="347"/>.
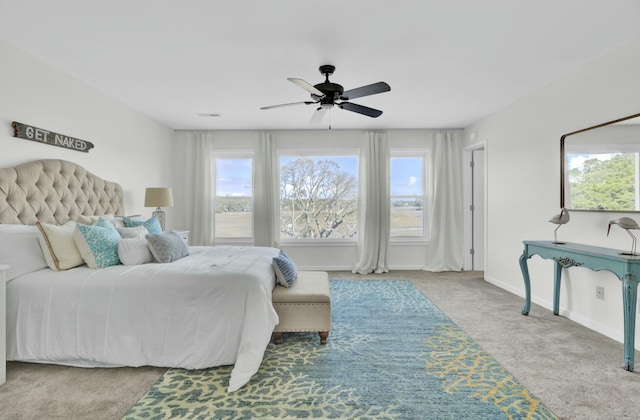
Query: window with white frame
<point x="408" y="193"/>
<point x="318" y="196"/>
<point x="234" y="195"/>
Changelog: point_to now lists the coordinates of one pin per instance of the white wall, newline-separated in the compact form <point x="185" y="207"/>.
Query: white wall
<point x="524" y="186"/>
<point x="329" y="256"/>
<point x="130" y="148"/>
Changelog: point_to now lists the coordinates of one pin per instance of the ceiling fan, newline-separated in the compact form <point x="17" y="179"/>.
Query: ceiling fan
<point x="328" y="94"/>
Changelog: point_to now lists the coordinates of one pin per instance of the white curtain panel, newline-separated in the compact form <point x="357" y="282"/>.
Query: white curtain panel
<point x="266" y="210"/>
<point x="374" y="204"/>
<point x="444" y="252"/>
<point x="200" y="188"/>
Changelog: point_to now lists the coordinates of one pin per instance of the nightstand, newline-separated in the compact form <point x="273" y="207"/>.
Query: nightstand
<point x="184" y="234"/>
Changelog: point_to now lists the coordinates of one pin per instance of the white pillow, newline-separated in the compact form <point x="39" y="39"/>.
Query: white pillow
<point x="132" y="232"/>
<point x="59" y="248"/>
<point x="117" y="221"/>
<point x="92" y="220"/>
<point x="20" y="249"/>
<point x="87" y="220"/>
<point x="134" y="251"/>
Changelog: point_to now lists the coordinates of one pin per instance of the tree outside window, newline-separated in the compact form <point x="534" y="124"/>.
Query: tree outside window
<point x="318" y="197"/>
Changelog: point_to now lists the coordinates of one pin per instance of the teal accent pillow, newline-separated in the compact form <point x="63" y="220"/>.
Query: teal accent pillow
<point x="167" y="246"/>
<point x="285" y="269"/>
<point x="152" y="225"/>
<point x="98" y="244"/>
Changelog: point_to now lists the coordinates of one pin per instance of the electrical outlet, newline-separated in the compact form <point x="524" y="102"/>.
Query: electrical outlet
<point x="600" y="292"/>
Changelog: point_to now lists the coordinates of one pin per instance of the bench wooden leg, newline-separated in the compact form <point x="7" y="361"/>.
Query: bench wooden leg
<point x="277" y="337"/>
<point x="323" y="336"/>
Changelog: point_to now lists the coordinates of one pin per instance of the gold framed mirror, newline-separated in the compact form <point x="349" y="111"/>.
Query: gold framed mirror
<point x="600" y="167"/>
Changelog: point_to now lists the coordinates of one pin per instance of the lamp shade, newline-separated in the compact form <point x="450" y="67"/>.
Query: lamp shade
<point x="158" y="197"/>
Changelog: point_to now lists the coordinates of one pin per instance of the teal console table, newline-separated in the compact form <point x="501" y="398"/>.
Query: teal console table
<point x="565" y="255"/>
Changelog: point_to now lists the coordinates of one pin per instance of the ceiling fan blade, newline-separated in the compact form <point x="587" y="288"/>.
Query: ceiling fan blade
<point x="364" y="110"/>
<point x="306" y="86"/>
<point x="318" y="116"/>
<point x="371" y="89"/>
<point x="289" y="104"/>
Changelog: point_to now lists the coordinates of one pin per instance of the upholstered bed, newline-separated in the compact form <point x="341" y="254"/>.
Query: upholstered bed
<point x="210" y="308"/>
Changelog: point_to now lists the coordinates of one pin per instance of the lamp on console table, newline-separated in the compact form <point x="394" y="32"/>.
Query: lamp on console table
<point x="158" y="198"/>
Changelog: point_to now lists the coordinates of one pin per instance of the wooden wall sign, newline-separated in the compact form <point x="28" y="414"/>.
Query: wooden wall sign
<point x="29" y="132"/>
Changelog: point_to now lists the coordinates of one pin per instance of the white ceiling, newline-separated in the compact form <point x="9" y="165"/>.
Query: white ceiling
<point x="449" y="63"/>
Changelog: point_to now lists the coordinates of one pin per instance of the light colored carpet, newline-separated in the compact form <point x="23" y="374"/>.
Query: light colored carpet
<point x="38" y="391"/>
<point x="574" y="371"/>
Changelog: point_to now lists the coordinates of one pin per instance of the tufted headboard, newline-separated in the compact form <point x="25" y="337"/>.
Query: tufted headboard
<point x="55" y="191"/>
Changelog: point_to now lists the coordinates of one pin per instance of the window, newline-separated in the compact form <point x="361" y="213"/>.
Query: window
<point x="318" y="197"/>
<point x="234" y="196"/>
<point x="408" y="193"/>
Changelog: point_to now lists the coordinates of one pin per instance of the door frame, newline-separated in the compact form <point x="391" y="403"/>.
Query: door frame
<point x="466" y="202"/>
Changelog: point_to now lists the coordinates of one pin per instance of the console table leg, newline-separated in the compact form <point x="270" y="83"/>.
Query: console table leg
<point x="557" y="277"/>
<point x="527" y="286"/>
<point x="629" y="296"/>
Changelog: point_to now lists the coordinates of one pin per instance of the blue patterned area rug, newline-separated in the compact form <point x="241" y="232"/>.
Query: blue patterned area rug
<point x="391" y="354"/>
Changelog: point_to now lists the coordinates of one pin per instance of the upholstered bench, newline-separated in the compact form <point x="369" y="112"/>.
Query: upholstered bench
<point x="305" y="306"/>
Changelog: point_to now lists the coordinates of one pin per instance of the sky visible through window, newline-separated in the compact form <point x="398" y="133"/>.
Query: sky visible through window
<point x="406" y="176"/>
<point x="234" y="175"/>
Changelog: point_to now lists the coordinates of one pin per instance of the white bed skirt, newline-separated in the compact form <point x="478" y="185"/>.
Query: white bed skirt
<point x="211" y="308"/>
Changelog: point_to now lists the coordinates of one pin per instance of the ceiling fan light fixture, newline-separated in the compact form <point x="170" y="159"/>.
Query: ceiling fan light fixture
<point x="327" y="94"/>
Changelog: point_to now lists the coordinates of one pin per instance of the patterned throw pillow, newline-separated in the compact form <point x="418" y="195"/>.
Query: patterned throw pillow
<point x="98" y="244"/>
<point x="167" y="246"/>
<point x="152" y="225"/>
<point x="285" y="269"/>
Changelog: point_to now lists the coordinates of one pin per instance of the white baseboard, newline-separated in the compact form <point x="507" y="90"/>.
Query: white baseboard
<point x="349" y="268"/>
<point x="509" y="288"/>
<point x="405" y="267"/>
<point x="324" y="268"/>
<point x="596" y="326"/>
<point x="587" y="322"/>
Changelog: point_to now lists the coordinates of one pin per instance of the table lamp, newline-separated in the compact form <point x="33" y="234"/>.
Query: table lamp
<point x="158" y="198"/>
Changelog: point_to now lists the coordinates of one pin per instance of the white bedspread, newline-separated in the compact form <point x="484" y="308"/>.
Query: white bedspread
<point x="211" y="308"/>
